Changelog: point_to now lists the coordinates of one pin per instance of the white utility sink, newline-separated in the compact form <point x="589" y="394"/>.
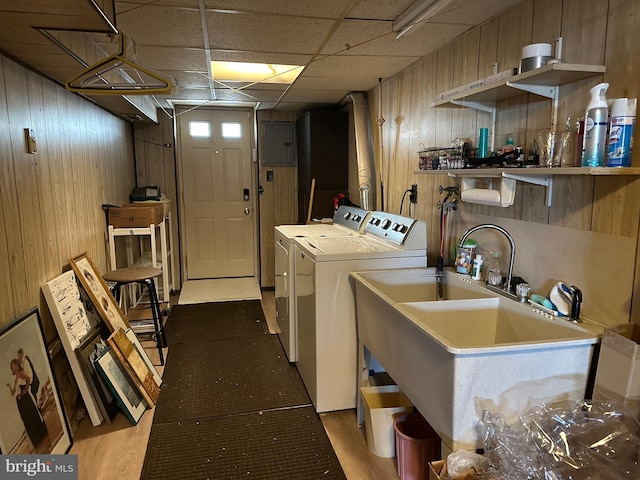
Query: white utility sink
<point x="476" y="350"/>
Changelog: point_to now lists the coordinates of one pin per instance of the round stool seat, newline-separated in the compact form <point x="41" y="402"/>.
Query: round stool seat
<point x="132" y="274"/>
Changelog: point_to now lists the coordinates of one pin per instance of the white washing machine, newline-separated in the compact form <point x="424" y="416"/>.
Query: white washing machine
<point x="347" y="221"/>
<point x="325" y="300"/>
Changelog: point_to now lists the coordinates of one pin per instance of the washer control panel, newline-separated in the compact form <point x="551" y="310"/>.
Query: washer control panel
<point x="351" y="217"/>
<point x="389" y="226"/>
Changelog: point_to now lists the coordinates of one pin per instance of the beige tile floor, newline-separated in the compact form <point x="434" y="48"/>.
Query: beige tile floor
<point x="116" y="451"/>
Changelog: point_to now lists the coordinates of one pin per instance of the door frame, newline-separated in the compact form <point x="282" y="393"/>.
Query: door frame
<point x="179" y="111"/>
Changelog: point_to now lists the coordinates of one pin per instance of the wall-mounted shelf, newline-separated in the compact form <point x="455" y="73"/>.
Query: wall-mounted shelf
<point x="536" y="175"/>
<point x="542" y="81"/>
<point x="534" y="171"/>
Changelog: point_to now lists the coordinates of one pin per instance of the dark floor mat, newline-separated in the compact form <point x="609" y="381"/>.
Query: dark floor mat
<point x="204" y="322"/>
<point x="279" y="444"/>
<point x="230" y="376"/>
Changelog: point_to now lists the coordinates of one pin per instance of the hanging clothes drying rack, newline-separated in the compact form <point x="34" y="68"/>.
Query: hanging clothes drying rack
<point x="118" y="75"/>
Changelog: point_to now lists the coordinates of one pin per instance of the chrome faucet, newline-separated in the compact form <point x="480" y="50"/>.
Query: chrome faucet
<point x="507" y="285"/>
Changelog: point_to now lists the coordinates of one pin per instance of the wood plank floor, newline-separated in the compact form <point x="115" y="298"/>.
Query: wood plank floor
<point x="117" y="451"/>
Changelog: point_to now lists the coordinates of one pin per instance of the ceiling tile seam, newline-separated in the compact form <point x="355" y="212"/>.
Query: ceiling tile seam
<point x="326" y="40"/>
<point x="207" y="52"/>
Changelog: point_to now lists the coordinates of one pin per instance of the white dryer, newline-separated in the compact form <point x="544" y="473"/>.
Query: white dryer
<point x="347" y="221"/>
<point x="325" y="300"/>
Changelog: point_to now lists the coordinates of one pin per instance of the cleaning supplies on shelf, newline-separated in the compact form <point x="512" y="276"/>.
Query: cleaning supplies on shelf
<point x="621" y="125"/>
<point x="595" y="128"/>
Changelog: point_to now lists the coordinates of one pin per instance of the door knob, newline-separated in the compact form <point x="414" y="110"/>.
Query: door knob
<point x="247" y="211"/>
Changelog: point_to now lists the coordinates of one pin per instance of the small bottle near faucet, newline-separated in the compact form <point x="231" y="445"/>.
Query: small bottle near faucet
<point x="476" y="270"/>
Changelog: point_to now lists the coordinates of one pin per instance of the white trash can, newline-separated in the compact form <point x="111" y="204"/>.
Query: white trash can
<point x="380" y="405"/>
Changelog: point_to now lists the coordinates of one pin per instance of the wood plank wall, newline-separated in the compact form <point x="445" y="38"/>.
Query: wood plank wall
<point x="51" y="200"/>
<point x="598" y="211"/>
<point x="278" y="201"/>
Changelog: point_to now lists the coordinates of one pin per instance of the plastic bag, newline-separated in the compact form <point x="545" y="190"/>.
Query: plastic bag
<point x="580" y="440"/>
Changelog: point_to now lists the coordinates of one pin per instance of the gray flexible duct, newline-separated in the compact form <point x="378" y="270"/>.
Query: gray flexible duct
<point x="366" y="166"/>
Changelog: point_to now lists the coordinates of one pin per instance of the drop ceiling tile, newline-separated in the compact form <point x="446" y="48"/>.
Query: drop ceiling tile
<point x="166" y="26"/>
<point x="358" y="37"/>
<point x="315" y="96"/>
<point x="378" y="9"/>
<point x="303" y="8"/>
<point x="171" y="58"/>
<point x="361" y="72"/>
<point x="266" y="32"/>
<point x="129" y="6"/>
<point x="188" y="79"/>
<point x="474" y="12"/>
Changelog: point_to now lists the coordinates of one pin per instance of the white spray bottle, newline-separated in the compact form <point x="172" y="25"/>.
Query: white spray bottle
<point x="594" y="147"/>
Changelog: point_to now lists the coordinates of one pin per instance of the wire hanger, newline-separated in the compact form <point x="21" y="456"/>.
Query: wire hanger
<point x="117" y="75"/>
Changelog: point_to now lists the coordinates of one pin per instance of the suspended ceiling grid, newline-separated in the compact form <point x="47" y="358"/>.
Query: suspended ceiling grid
<point x="345" y="45"/>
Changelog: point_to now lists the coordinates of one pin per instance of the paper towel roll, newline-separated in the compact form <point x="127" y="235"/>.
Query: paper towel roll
<point x="482" y="196"/>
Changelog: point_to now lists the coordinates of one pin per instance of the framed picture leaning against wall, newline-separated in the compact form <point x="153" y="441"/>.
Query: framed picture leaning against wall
<point x="33" y="418"/>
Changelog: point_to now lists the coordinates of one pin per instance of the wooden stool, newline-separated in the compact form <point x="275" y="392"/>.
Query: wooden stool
<point x="142" y="276"/>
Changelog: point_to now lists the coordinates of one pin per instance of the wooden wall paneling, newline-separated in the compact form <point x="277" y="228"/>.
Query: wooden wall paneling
<point x="76" y="179"/>
<point x="10" y="252"/>
<point x="487" y="57"/>
<point x="514" y="32"/>
<point x="622" y="50"/>
<point x="27" y="222"/>
<point x="429" y="91"/>
<point x="465" y="70"/>
<point x="547" y="22"/>
<point x="415" y="124"/>
<point x="278" y="201"/>
<point x="96" y="174"/>
<point x="70" y="218"/>
<point x="58" y="209"/>
<point x="584" y="30"/>
<point x="488" y="48"/>
<point x="572" y="201"/>
<point x="43" y="186"/>
<point x="445" y="81"/>
<point x="390" y="142"/>
<point x="404" y="149"/>
<point x="532" y="202"/>
<point x="616" y="209"/>
<point x="584" y="36"/>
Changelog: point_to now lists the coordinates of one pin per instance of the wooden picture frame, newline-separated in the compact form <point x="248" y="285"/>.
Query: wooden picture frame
<point x="86" y="354"/>
<point x="74" y="317"/>
<point x="33" y="417"/>
<point x="131" y="335"/>
<point x="127" y="395"/>
<point x="100" y="295"/>
<point x="133" y="363"/>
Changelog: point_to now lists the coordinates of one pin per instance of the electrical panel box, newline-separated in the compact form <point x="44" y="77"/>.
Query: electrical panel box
<point x="278" y="144"/>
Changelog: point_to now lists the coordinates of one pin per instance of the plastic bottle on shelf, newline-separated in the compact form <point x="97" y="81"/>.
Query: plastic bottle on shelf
<point x="594" y="148"/>
<point x="477" y="268"/>
<point x="494" y="272"/>
<point x="509" y="147"/>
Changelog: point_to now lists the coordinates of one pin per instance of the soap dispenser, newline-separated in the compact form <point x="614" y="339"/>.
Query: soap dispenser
<point x="594" y="146"/>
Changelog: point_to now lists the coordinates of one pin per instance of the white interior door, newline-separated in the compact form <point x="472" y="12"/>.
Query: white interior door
<point x="218" y="208"/>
